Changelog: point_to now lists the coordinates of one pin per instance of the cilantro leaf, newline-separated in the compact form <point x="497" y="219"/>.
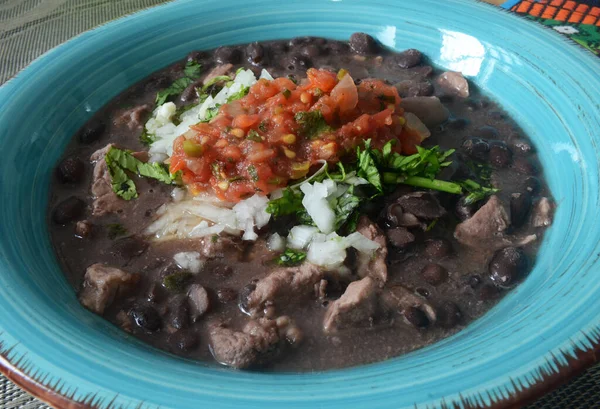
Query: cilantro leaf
<point x="367" y="168"/>
<point x="115" y="230"/>
<point x="312" y="124"/>
<point x="118" y="161"/>
<point x="238" y="95"/>
<point x="147" y="138"/>
<point x="345" y="206"/>
<point x="288" y="204"/>
<point x="291" y="257"/>
<point x="192" y="69"/>
<point x="174" y="89"/>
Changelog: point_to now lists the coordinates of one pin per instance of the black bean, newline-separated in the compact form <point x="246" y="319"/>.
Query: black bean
<point x="464" y="211"/>
<point x="362" y="43"/>
<point x="128" y="247"/>
<point x="488" y="292"/>
<point x="488" y="132"/>
<point x="255" y="53"/>
<point x="524" y="166"/>
<point x="437" y="248"/>
<point x="298" y="41"/>
<point x="422" y="204"/>
<point x="408" y="58"/>
<point x="497" y="115"/>
<point x="508" y="265"/>
<point x="197" y="56"/>
<point x="474" y="281"/>
<point x="310" y="50"/>
<point x="448" y="315"/>
<point x="532" y="185"/>
<point x="92" y="132"/>
<point x="68" y="210"/>
<point x="243" y="296"/>
<point x="400" y="237"/>
<point x="146" y="317"/>
<point x="410" y="88"/>
<point x="434" y="274"/>
<point x="521" y="147"/>
<point x="70" y="170"/>
<point x="228" y="55"/>
<point x="457" y="123"/>
<point x="223" y="271"/>
<point x="298" y="62"/>
<point x="190" y="93"/>
<point x="500" y="156"/>
<point x="416" y="317"/>
<point x="520" y="206"/>
<point x="338" y="47"/>
<point x="179" y="312"/>
<point x="183" y="340"/>
<point x="476" y="148"/>
<point x="423" y="292"/>
<point x="226" y="295"/>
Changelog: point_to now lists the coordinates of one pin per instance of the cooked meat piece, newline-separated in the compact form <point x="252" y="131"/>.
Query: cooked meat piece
<point x="487" y="225"/>
<point x="224" y="69"/>
<point x="454" y="83"/>
<point x="400" y="237"/>
<point x="357" y="307"/>
<point x="429" y="110"/>
<point x="372" y="265"/>
<point x="542" y="213"/>
<point x="422" y="204"/>
<point x="289" y="284"/>
<point x="105" y="200"/>
<point x="398" y="299"/>
<point x="199" y="301"/>
<point x="134" y="118"/>
<point x="256" y="345"/>
<point x="103" y="284"/>
<point x="83" y="229"/>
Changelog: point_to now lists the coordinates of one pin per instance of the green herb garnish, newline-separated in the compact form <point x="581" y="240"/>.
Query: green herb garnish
<point x="286" y="93"/>
<point x="192" y="72"/>
<point x="254" y="136"/>
<point x="177" y="281"/>
<point x="291" y="257"/>
<point x="312" y="124"/>
<point x="115" y="230"/>
<point x="253" y="173"/>
<point x="288" y="204"/>
<point x="119" y="161"/>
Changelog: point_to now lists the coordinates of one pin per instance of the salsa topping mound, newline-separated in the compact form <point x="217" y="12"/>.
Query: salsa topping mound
<point x="280" y="130"/>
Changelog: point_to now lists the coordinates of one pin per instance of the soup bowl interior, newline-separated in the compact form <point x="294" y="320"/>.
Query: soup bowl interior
<point x="549" y="86"/>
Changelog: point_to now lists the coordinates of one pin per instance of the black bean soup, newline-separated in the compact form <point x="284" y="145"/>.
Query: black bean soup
<point x="441" y="262"/>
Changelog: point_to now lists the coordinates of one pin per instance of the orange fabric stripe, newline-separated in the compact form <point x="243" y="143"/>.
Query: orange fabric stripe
<point x="556" y="3"/>
<point x="524" y="7"/>
<point x="562" y="15"/>
<point x="549" y="12"/>
<point x="570" y="5"/>
<point x="582" y="8"/>
<point x="589" y="20"/>
<point x="595" y="11"/>
<point x="576" y="17"/>
<point x="536" y="10"/>
<point x="598" y="23"/>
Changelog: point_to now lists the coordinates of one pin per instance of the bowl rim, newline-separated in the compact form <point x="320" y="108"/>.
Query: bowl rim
<point x="567" y="368"/>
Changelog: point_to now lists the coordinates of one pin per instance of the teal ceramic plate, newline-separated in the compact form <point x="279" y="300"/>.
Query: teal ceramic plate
<point x="538" y="334"/>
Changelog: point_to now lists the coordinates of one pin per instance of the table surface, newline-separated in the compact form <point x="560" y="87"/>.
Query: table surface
<point x="28" y="28"/>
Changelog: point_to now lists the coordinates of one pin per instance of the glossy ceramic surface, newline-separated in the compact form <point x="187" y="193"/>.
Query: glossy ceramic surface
<point x="550" y="86"/>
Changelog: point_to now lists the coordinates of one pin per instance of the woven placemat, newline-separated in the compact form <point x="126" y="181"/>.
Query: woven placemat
<point x="28" y="28"/>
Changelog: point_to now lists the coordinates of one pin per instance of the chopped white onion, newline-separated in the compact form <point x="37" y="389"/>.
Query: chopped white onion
<point x="178" y="194"/>
<point x="300" y="236"/>
<point x="361" y="243"/>
<point x="316" y="204"/>
<point x="189" y="260"/>
<point x="329" y="254"/>
<point x="276" y="242"/>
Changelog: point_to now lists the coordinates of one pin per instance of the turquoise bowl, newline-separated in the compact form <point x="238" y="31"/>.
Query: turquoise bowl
<point x="543" y="331"/>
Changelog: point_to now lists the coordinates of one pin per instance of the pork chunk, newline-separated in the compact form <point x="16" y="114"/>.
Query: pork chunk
<point x="105" y="200"/>
<point x="103" y="284"/>
<point x="485" y="227"/>
<point x="224" y="69"/>
<point x="373" y="265"/>
<point x="357" y="307"/>
<point x="217" y="246"/>
<point x="454" y="83"/>
<point x="258" y="343"/>
<point x="134" y="117"/>
<point x="291" y="283"/>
